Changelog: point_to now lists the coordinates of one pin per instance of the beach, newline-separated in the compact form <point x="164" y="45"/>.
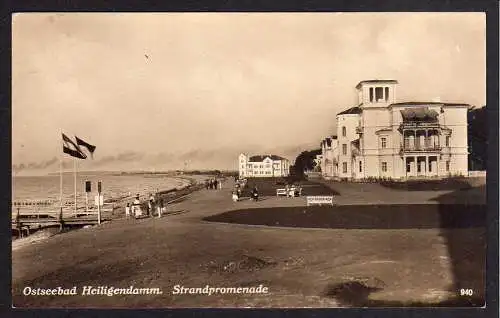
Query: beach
<point x="402" y="264"/>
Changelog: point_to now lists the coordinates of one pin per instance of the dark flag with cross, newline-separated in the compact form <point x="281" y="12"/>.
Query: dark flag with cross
<point x="72" y="149"/>
<point x="90" y="148"/>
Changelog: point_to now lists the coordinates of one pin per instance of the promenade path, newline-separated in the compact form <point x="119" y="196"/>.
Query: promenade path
<point x="300" y="266"/>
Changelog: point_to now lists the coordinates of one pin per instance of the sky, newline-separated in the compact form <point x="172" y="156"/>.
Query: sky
<point x="161" y="90"/>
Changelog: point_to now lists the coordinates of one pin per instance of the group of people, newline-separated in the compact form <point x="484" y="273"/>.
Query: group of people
<point x="154" y="206"/>
<point x="236" y="194"/>
<point x="213" y="184"/>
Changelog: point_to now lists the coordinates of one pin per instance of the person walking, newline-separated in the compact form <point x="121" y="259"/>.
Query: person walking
<point x="151" y="205"/>
<point x="136" y="207"/>
<point x="255" y="194"/>
<point x="160" y="207"/>
<point x="127" y="211"/>
<point x="215" y="184"/>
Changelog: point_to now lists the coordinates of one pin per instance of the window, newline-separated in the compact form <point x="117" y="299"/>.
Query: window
<point x="384" y="166"/>
<point x="268" y="165"/>
<point x="344" y="167"/>
<point x="379" y="93"/>
<point x="447" y="166"/>
<point x="447" y="141"/>
<point x="344" y="131"/>
<point x="344" y="149"/>
<point x="386" y="93"/>
<point x="383" y="142"/>
<point x="242" y="166"/>
<point x="360" y="166"/>
<point x="371" y="94"/>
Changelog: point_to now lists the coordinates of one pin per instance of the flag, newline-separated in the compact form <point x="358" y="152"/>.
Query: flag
<point x="71" y="148"/>
<point x="89" y="147"/>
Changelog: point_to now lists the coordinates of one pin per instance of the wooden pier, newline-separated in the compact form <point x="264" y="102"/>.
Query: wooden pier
<point x="27" y="218"/>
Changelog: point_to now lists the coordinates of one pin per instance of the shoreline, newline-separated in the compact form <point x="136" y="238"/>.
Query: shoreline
<point x="194" y="183"/>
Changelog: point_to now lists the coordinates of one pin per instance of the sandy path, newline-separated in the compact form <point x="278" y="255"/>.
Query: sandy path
<point x="299" y="266"/>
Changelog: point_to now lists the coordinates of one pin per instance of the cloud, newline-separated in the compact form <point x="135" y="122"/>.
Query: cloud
<point x="222" y="81"/>
<point x="34" y="165"/>
<point x="128" y="156"/>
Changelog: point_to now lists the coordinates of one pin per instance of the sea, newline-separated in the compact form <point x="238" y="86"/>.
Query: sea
<point x="114" y="187"/>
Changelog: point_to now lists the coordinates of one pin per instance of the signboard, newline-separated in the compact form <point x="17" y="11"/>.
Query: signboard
<point x="99" y="200"/>
<point x="319" y="200"/>
<point x="88" y="186"/>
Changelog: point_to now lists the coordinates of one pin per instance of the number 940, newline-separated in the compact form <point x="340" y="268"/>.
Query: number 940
<point x="466" y="292"/>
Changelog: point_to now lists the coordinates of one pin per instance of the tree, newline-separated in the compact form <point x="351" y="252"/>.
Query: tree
<point x="477" y="133"/>
<point x="305" y="161"/>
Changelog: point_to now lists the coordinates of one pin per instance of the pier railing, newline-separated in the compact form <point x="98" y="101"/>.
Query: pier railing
<point x="26" y="217"/>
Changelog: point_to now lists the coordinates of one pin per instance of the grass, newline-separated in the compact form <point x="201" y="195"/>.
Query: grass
<point x="421" y="216"/>
<point x="268" y="186"/>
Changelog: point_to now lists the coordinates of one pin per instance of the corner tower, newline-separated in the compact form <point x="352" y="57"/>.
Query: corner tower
<point x="376" y="93"/>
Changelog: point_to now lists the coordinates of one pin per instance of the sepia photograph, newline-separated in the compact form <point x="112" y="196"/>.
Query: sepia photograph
<point x="249" y="159"/>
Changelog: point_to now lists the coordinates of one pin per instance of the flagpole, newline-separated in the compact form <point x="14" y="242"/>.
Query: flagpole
<point x="60" y="181"/>
<point x="61" y="222"/>
<point x="74" y="173"/>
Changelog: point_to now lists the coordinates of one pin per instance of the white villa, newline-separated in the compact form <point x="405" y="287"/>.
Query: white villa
<point x="263" y="166"/>
<point x="384" y="138"/>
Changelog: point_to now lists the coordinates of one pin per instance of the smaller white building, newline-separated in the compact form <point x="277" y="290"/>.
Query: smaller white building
<point x="263" y="166"/>
<point x="329" y="154"/>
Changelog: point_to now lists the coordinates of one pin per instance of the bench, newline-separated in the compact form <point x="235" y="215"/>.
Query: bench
<point x="291" y="192"/>
<point x="281" y="192"/>
<point x="323" y="199"/>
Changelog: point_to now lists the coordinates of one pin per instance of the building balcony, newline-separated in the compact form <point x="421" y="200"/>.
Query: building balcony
<point x="420" y="149"/>
<point x="418" y="125"/>
<point x="359" y="130"/>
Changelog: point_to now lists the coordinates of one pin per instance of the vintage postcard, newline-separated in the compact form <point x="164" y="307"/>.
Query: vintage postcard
<point x="262" y="160"/>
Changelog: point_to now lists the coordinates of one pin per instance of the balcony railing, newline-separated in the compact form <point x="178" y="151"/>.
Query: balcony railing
<point x="420" y="148"/>
<point x="417" y="124"/>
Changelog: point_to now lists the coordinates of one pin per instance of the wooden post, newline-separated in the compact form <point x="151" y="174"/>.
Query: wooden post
<point x="18" y="224"/>
<point x="99" y="208"/>
<point x="61" y="221"/>
<point x="99" y="202"/>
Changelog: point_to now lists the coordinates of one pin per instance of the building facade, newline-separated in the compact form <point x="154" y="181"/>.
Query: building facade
<point x="329" y="156"/>
<point x="263" y="166"/>
<point x="383" y="138"/>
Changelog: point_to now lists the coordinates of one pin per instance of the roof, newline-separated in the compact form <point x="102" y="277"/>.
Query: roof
<point x="328" y="142"/>
<point x="427" y="103"/>
<point x="352" y="110"/>
<point x="259" y="158"/>
<point x="383" y="129"/>
<point x="374" y="81"/>
<point x="419" y="114"/>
